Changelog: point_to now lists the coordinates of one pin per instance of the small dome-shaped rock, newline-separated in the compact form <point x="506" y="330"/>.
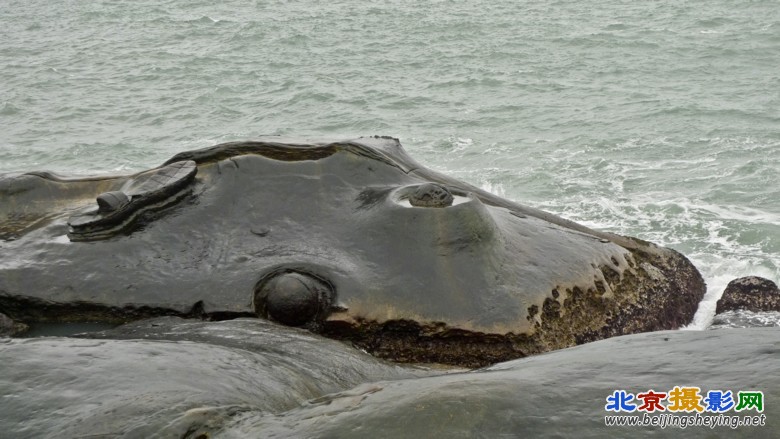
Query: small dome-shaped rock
<point x="750" y="293"/>
<point x="295" y="299"/>
<point x="431" y="195"/>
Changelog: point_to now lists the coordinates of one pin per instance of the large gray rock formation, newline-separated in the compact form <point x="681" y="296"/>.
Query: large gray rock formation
<point x="351" y="239"/>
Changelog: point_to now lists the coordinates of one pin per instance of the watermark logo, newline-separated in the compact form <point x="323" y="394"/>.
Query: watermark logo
<point x="685" y="406"/>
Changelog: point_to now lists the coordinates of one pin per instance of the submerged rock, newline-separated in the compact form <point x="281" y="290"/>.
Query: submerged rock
<point x="156" y="378"/>
<point x="351" y="239"/>
<point x="751" y="293"/>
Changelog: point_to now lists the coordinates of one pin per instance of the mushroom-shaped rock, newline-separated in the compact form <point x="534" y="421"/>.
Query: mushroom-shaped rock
<point x="751" y="293"/>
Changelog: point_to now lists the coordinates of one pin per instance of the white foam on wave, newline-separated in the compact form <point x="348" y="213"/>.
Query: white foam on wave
<point x="746" y="319"/>
<point x="493" y="188"/>
<point x="718" y="274"/>
<point x="202" y="19"/>
<point x="741" y="213"/>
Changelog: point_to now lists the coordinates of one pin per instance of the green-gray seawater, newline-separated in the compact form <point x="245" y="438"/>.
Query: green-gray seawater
<point x="659" y="120"/>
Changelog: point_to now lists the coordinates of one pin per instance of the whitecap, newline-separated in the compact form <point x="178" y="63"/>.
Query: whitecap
<point x="721" y="271"/>
<point x="493" y="188"/>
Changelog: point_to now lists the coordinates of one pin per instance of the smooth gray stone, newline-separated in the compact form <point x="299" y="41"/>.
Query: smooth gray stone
<point x="560" y="394"/>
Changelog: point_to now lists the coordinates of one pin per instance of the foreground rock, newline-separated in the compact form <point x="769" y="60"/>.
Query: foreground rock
<point x="250" y="378"/>
<point x="562" y="394"/>
<point x="157" y="377"/>
<point x="751" y="293"/>
<point x="351" y="239"/>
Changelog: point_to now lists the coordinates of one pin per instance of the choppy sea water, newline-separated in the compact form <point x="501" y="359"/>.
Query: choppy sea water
<point x="659" y="120"/>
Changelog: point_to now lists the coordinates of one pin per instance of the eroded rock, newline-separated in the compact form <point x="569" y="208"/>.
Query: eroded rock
<point x="471" y="282"/>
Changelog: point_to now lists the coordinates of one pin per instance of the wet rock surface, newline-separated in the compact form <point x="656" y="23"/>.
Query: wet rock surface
<point x="470" y="282"/>
<point x="561" y="394"/>
<point x="170" y="377"/>
<point x="118" y="210"/>
<point x="159" y="377"/>
<point x="750" y="293"/>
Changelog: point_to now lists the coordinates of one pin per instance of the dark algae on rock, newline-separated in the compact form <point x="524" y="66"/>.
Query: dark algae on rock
<point x="352" y="239"/>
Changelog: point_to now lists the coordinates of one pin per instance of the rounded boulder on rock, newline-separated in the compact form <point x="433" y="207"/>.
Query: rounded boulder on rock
<point x="751" y="293"/>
